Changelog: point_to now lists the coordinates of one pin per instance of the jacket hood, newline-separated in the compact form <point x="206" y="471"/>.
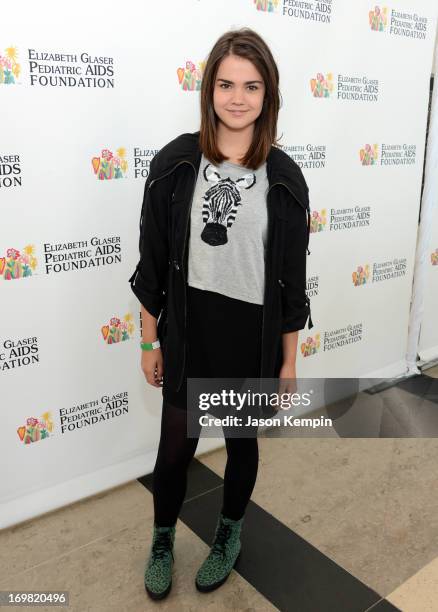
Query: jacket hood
<point x="281" y="168"/>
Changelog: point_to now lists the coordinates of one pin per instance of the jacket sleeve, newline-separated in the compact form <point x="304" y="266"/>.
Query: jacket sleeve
<point x="150" y="276"/>
<point x="295" y="302"/>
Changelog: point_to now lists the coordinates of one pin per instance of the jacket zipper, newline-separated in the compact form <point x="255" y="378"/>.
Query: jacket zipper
<point x="149" y="186"/>
<point x="267" y="251"/>
<point x="184" y="276"/>
<point x="184" y="161"/>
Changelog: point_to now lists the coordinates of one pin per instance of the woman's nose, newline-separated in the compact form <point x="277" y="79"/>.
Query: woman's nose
<point x="238" y="96"/>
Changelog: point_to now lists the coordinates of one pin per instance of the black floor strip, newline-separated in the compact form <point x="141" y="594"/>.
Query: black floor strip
<point x="199" y="480"/>
<point x="382" y="606"/>
<point x="283" y="567"/>
<point x="424" y="386"/>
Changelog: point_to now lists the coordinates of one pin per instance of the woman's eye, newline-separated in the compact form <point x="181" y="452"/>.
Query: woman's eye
<point x="252" y="87"/>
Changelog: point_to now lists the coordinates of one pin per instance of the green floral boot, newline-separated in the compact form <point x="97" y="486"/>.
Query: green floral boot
<point x="223" y="555"/>
<point x="158" y="572"/>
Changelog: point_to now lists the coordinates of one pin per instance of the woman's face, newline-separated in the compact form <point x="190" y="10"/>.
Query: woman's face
<point x="239" y="87"/>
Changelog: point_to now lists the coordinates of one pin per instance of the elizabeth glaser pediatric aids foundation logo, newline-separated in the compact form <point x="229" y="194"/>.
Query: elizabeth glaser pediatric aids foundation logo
<point x="117" y="330"/>
<point x="18" y="352"/>
<point x="398" y="23"/>
<point x="368" y="155"/>
<point x="309" y="155"/>
<point x="343" y="337"/>
<point x="56" y="68"/>
<point x="318" y="220"/>
<point x="361" y="275"/>
<point x="336" y="219"/>
<point x="381" y="271"/>
<point x="355" y="88"/>
<point x="18" y="264"/>
<point x="311" y="345"/>
<point x="391" y="154"/>
<point x="190" y="77"/>
<point x="109" y="166"/>
<point x="10" y="170"/>
<point x="267" y="6"/>
<point x="9" y="67"/>
<point x="36" y="429"/>
<point x="322" y="86"/>
<point x="297" y="9"/>
<point x="378" y="18"/>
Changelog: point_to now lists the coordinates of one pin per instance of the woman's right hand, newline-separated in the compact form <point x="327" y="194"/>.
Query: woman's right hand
<point x="152" y="366"/>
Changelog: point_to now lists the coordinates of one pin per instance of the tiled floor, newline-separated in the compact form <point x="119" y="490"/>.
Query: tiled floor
<point x="333" y="525"/>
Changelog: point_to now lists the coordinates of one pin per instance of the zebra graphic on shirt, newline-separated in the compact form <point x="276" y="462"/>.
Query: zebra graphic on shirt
<point x="221" y="203"/>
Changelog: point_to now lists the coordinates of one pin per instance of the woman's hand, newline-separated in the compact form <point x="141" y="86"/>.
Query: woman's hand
<point x="152" y="366"/>
<point x="287" y="376"/>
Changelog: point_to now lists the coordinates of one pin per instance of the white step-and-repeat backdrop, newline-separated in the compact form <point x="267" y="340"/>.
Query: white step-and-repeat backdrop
<point x="428" y="344"/>
<point x="427" y="252"/>
<point x="89" y="94"/>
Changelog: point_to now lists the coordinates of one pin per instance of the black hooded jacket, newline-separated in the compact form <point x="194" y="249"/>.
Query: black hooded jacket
<point x="160" y="277"/>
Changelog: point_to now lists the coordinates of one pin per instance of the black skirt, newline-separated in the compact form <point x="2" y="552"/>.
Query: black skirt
<point x="223" y="340"/>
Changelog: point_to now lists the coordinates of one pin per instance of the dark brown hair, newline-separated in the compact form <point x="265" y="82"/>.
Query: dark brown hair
<point x="245" y="43"/>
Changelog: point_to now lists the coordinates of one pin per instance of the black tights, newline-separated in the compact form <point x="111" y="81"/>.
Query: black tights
<point x="175" y="453"/>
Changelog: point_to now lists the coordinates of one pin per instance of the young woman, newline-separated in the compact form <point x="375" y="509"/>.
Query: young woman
<point x="224" y="230"/>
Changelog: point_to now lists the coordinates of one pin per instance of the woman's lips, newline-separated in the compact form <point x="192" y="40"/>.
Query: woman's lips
<point x="237" y="113"/>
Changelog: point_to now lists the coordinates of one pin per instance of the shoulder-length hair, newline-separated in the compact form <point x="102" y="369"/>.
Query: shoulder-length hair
<point x="245" y="43"/>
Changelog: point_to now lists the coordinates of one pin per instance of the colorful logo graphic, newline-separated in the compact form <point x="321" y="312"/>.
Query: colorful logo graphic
<point x="322" y="86"/>
<point x="16" y="264"/>
<point x="434" y="257"/>
<point x="368" y="155"/>
<point x="318" y="220"/>
<point x="267" y="6"/>
<point x="311" y="345"/>
<point x="108" y="166"/>
<point x="9" y="67"/>
<point x="36" y="429"/>
<point x="118" y="330"/>
<point x="361" y="276"/>
<point x="190" y="77"/>
<point x="378" y="18"/>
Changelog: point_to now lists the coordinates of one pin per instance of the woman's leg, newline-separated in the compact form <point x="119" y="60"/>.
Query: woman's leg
<point x="218" y="316"/>
<point x="175" y="451"/>
<point x="240" y="475"/>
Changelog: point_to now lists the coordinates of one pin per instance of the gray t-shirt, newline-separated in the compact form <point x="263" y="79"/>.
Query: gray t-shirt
<point x="228" y="231"/>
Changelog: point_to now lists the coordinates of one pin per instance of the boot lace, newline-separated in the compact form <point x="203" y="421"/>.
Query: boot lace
<point x="221" y="539"/>
<point x="162" y="545"/>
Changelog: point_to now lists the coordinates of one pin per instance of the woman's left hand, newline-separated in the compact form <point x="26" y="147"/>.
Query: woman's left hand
<point x="287" y="376"/>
